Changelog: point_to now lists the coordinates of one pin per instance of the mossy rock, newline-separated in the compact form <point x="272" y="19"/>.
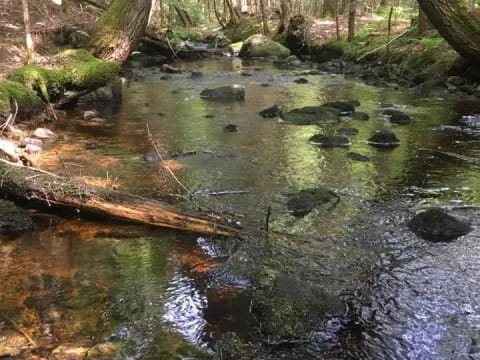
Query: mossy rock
<point x="292" y="309"/>
<point x="43" y="81"/>
<point x="261" y="46"/>
<point x="88" y="72"/>
<point x="311" y="115"/>
<point x="27" y="100"/>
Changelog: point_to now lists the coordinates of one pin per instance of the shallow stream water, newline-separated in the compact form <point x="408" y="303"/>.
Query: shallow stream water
<point x="162" y="294"/>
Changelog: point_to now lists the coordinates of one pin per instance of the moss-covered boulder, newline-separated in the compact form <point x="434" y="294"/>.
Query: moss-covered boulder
<point x="13" y="94"/>
<point x="44" y="82"/>
<point x="311" y="115"/>
<point x="87" y="71"/>
<point x="261" y="46"/>
<point x="224" y="93"/>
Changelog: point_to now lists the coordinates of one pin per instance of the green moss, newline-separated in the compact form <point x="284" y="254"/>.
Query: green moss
<point x="86" y="70"/>
<point x="36" y="78"/>
<point x="11" y="92"/>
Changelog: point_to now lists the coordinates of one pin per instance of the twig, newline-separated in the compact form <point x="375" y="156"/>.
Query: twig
<point x="387" y="44"/>
<point x="190" y="194"/>
<point x="267" y="221"/>
<point x="10" y="120"/>
<point x="220" y="193"/>
<point x="64" y="164"/>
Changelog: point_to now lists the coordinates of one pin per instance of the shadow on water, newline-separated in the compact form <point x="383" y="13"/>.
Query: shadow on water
<point x="344" y="281"/>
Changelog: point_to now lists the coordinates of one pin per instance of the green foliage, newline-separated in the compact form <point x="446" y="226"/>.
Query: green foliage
<point x="246" y="28"/>
<point x="183" y="34"/>
<point x="427" y="54"/>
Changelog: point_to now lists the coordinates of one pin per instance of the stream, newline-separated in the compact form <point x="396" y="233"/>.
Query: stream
<point x="346" y="281"/>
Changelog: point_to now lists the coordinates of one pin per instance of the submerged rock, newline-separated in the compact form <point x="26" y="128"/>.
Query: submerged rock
<point x="271" y="112"/>
<point x="92" y="145"/>
<point x="14" y="221"/>
<point x="262" y="46"/>
<point x="343" y="106"/>
<point x="225" y="93"/>
<point x="9" y="150"/>
<point x="358" y="157"/>
<point x="154" y="157"/>
<point x="312" y="115"/>
<point x="292" y="309"/>
<point x="33" y="149"/>
<point x="196" y="74"/>
<point x="90" y="114"/>
<point x="69" y="352"/>
<point x="306" y="200"/>
<point x="11" y="343"/>
<point x="360" y="116"/>
<point x="397" y="117"/>
<point x="384" y="139"/>
<point x="166" y="77"/>
<point x="301" y="81"/>
<point x="43" y="133"/>
<point x="230" y="128"/>
<point x="330" y="140"/>
<point x="170" y="69"/>
<point x="437" y="226"/>
<point x="346" y="131"/>
<point x="102" y="351"/>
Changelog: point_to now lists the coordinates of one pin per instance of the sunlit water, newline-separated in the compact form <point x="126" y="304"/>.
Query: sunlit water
<point x="152" y="291"/>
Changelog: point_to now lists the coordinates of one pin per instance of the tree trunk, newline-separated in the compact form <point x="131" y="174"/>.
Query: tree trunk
<point x="264" y="17"/>
<point x="284" y="17"/>
<point x="28" y="33"/>
<point x="351" y="19"/>
<point x="329" y="8"/>
<point x="456" y="24"/>
<point x="120" y="28"/>
<point x="35" y="186"/>
<point x="422" y="22"/>
<point x="182" y="15"/>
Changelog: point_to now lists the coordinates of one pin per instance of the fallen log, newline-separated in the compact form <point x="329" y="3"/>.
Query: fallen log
<point x="27" y="183"/>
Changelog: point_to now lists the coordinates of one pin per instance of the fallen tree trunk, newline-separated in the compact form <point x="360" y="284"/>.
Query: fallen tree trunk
<point x="26" y="183"/>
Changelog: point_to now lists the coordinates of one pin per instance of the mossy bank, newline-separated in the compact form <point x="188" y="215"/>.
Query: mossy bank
<point x="31" y="86"/>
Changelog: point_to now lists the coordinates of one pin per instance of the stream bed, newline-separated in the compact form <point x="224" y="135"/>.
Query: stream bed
<point x="346" y="281"/>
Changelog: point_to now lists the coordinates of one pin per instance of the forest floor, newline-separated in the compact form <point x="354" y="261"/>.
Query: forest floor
<point x="326" y="29"/>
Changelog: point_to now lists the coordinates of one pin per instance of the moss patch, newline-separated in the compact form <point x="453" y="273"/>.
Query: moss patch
<point x="184" y="34"/>
<point x="87" y="71"/>
<point x="11" y="92"/>
<point x="43" y="81"/>
<point x="246" y="28"/>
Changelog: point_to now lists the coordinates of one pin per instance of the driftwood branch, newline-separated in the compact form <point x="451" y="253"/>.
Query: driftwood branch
<point x="40" y="187"/>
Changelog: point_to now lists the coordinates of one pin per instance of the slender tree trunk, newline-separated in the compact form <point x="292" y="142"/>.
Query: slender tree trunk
<point x="329" y="8"/>
<point x="456" y="24"/>
<point x="217" y="15"/>
<point x="351" y="19"/>
<point x="284" y="17"/>
<point x="120" y="28"/>
<point x="337" y="21"/>
<point x="264" y="18"/>
<point x="422" y="22"/>
<point x="28" y="33"/>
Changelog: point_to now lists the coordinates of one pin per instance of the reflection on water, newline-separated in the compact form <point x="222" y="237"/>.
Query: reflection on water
<point x="152" y="291"/>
